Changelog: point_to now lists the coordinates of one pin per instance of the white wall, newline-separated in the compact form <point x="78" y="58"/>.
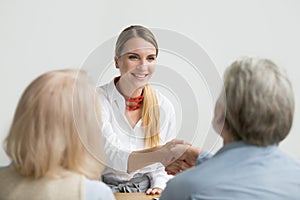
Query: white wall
<point x="37" y="36"/>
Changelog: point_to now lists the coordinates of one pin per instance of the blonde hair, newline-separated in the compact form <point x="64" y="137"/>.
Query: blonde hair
<point x="44" y="136"/>
<point x="150" y="112"/>
<point x="259" y="101"/>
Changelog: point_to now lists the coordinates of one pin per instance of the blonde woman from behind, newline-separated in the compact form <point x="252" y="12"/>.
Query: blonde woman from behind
<point x="49" y="159"/>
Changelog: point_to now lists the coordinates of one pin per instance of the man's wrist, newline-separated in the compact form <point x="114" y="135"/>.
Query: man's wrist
<point x="193" y="153"/>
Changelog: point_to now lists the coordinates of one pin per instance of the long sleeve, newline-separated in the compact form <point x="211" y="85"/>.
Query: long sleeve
<point x="160" y="178"/>
<point x="204" y="156"/>
<point x="116" y="151"/>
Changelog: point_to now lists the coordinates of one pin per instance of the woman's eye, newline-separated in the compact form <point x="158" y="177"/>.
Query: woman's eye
<point x="133" y="57"/>
<point x="151" y="58"/>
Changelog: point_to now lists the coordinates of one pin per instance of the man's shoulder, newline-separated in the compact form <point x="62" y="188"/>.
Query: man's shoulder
<point x="183" y="185"/>
<point x="191" y="178"/>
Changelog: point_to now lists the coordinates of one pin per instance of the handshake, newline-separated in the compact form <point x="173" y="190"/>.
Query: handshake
<point x="178" y="155"/>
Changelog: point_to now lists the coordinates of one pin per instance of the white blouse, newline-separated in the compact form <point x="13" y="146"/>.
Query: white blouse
<point x="120" y="139"/>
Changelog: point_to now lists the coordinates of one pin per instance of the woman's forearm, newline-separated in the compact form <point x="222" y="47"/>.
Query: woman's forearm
<point x="143" y="158"/>
<point x="164" y="154"/>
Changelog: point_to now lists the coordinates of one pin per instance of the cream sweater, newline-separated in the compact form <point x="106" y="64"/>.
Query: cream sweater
<point x="13" y="186"/>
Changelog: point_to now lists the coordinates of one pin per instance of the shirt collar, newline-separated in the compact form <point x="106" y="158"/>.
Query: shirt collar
<point x="240" y="144"/>
<point x="115" y="96"/>
<point x="112" y="92"/>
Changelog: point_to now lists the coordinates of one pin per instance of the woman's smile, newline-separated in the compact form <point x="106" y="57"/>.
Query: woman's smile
<point x="139" y="76"/>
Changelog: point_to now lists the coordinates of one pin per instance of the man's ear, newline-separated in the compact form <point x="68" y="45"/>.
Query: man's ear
<point x="220" y="113"/>
<point x="116" y="62"/>
<point x="219" y="117"/>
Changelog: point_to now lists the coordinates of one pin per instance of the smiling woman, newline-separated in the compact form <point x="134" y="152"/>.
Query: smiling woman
<point x="136" y="119"/>
<point x="136" y="63"/>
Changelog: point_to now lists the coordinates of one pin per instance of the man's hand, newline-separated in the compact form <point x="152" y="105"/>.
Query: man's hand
<point x="185" y="161"/>
<point x="176" y="167"/>
<point x="172" y="151"/>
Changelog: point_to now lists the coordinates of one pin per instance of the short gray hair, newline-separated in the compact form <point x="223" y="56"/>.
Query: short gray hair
<point x="259" y="101"/>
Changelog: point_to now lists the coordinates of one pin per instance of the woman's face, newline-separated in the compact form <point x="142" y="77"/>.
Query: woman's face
<point x="137" y="62"/>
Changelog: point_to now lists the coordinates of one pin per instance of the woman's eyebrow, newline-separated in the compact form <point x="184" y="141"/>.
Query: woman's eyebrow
<point x="131" y="53"/>
<point x="152" y="55"/>
<point x="137" y="54"/>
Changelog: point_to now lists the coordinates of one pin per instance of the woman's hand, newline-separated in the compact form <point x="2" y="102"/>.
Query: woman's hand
<point x="172" y="150"/>
<point x="152" y="191"/>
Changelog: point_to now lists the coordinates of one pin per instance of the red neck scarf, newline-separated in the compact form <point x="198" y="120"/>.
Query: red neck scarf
<point x="132" y="103"/>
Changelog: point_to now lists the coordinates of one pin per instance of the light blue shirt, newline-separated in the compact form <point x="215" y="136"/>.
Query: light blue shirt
<point x="97" y="190"/>
<point x="239" y="171"/>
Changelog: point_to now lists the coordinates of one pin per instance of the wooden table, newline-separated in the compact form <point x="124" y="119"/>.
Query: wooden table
<point x="134" y="196"/>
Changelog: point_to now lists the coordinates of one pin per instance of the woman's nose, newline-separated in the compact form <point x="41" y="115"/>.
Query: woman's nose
<point x="142" y="66"/>
<point x="144" y="62"/>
